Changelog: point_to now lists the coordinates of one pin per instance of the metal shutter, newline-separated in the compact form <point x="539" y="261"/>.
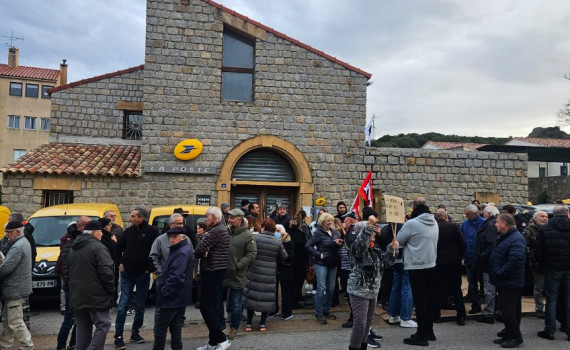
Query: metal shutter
<point x="263" y="165"/>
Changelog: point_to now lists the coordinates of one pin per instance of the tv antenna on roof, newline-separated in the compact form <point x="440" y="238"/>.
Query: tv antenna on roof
<point x="12" y="38"/>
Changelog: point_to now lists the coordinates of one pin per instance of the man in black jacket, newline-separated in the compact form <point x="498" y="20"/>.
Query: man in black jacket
<point x="135" y="244"/>
<point x="486" y="240"/>
<point x="91" y="286"/>
<point x="450" y="250"/>
<point x="552" y="253"/>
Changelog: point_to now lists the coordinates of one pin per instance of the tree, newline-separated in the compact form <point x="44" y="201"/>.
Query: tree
<point x="553" y="132"/>
<point x="564" y="112"/>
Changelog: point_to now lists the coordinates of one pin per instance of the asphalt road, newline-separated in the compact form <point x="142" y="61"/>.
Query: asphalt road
<point x="304" y="333"/>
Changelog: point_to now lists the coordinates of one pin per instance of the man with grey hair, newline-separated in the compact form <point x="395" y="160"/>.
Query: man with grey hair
<point x="116" y="230"/>
<point x="486" y="240"/>
<point x="539" y="218"/>
<point x="16" y="282"/>
<point x="552" y="252"/>
<point x="161" y="246"/>
<point x="135" y="244"/>
<point x="91" y="287"/>
<point x="469" y="229"/>
<point x="215" y="246"/>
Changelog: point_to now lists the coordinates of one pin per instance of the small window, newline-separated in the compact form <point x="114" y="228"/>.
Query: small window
<point x="13" y="121"/>
<point x="45" y="89"/>
<point x="15" y="89"/>
<point x="237" y="67"/>
<point x="541" y="171"/>
<point x="564" y="170"/>
<point x="50" y="198"/>
<point x="44" y="124"/>
<point x="32" y="90"/>
<point x="30" y="123"/>
<point x="132" y="125"/>
<point x="18" y="153"/>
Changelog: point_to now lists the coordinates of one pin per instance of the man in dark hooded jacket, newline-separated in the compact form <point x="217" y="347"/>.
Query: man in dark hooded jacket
<point x="91" y="287"/>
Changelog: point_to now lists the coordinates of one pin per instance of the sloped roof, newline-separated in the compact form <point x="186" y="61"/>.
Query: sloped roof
<point x="96" y="78"/>
<point x="29" y="72"/>
<point x="546" y="142"/>
<point x="79" y="159"/>
<point x="288" y="38"/>
<point x="452" y="145"/>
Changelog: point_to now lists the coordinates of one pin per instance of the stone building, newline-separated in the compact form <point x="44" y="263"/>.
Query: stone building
<point x="279" y="121"/>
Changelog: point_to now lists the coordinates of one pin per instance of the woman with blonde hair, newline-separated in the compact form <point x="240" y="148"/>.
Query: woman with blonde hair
<point x="324" y="246"/>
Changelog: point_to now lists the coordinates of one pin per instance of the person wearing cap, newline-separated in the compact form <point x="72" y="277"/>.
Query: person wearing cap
<point x="242" y="253"/>
<point x="244" y="205"/>
<point x="281" y="217"/>
<point x="109" y="240"/>
<point x="91" y="287"/>
<point x="16" y="286"/>
<point x="173" y="290"/>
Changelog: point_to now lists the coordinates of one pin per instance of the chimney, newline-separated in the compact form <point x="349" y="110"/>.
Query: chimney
<point x="13" y="57"/>
<point x="63" y="72"/>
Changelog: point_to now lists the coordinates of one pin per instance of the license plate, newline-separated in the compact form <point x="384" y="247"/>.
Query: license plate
<point x="44" y="284"/>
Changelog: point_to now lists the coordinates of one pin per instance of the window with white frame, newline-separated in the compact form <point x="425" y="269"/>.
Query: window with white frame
<point x="17" y="153"/>
<point x="13" y="122"/>
<point x="30" y="123"/>
<point x="44" y="124"/>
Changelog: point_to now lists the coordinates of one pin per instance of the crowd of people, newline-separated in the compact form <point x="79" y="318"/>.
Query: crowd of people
<point x="233" y="255"/>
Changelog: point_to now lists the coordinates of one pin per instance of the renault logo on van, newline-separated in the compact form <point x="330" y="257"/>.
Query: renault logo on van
<point x="188" y="149"/>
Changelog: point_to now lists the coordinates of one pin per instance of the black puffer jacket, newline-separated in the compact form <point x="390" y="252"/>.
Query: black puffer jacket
<point x="217" y="244"/>
<point x="322" y="243"/>
<point x="64" y="255"/>
<point x="552" y="246"/>
<point x="450" y="245"/>
<point x="91" y="278"/>
<point x="487" y="238"/>
<point x="259" y="292"/>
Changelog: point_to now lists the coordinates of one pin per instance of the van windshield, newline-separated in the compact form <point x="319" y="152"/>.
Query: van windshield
<point x="49" y="230"/>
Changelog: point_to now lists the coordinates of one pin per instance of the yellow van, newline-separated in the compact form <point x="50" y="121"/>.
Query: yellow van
<point x="4" y="215"/>
<point x="50" y="224"/>
<point x="159" y="216"/>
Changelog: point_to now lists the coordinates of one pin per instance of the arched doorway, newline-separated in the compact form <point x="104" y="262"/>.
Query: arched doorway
<point x="266" y="169"/>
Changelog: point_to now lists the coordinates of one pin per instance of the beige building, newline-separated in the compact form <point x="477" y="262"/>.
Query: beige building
<point x="25" y="105"/>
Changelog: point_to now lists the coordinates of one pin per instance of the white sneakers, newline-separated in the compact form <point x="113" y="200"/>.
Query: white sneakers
<point x="394" y="320"/>
<point x="221" y="346"/>
<point x="408" y="324"/>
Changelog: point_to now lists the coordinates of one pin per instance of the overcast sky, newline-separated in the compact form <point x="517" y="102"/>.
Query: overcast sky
<point x="474" y="68"/>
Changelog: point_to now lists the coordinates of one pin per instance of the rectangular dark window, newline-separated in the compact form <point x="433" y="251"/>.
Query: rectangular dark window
<point x="50" y="198"/>
<point x="32" y="90"/>
<point x="30" y="123"/>
<point x="44" y="124"/>
<point x="541" y="172"/>
<point x="45" y="88"/>
<point x="132" y="125"/>
<point x="237" y="67"/>
<point x="13" y="121"/>
<point x="15" y="89"/>
<point x="18" y="153"/>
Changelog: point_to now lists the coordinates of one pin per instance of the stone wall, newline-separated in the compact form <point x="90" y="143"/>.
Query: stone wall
<point x="556" y="188"/>
<point x="448" y="177"/>
<point x="90" y="109"/>
<point x="302" y="97"/>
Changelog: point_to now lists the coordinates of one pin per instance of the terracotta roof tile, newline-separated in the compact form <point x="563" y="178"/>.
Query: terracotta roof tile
<point x="29" y="72"/>
<point x="79" y="159"/>
<point x="546" y="142"/>
<point x="288" y="38"/>
<point x="96" y="78"/>
<point x="451" y="145"/>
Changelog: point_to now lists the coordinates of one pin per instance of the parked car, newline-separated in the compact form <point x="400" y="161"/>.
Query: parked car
<point x="548" y="208"/>
<point x="4" y="215"/>
<point x="159" y="216"/>
<point x="50" y="224"/>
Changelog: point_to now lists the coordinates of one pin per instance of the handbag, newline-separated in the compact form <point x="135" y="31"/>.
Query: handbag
<point x="311" y="277"/>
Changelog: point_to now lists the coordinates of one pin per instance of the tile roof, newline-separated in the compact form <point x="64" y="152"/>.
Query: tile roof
<point x="563" y="143"/>
<point x="452" y="145"/>
<point x="288" y="38"/>
<point x="96" y="78"/>
<point x="29" y="72"/>
<point x="79" y="159"/>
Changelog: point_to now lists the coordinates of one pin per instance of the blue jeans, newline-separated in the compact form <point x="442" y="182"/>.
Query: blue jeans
<point x="67" y="325"/>
<point x="326" y="278"/>
<point x="235" y="307"/>
<point x="128" y="282"/>
<point x="401" y="301"/>
<point x="473" y="290"/>
<point x="551" y="286"/>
